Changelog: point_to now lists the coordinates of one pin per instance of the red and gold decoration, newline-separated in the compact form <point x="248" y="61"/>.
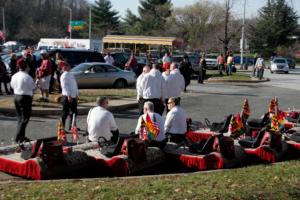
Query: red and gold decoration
<point x="149" y="129"/>
<point x="61" y="135"/>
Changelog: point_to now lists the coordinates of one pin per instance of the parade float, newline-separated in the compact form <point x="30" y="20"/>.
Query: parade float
<point x="236" y="141"/>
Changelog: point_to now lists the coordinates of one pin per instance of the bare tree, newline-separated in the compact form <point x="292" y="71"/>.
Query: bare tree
<point x="228" y="36"/>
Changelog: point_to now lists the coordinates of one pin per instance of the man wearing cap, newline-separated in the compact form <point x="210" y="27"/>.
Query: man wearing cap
<point x="69" y="92"/>
<point x="44" y="75"/>
<point x="23" y="86"/>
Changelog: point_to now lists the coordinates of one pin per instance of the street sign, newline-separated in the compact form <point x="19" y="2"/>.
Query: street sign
<point x="78" y="25"/>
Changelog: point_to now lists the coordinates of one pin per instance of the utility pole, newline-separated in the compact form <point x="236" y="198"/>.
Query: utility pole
<point x="70" y="19"/>
<point x="90" y="24"/>
<point x="243" y="37"/>
<point x="3" y="23"/>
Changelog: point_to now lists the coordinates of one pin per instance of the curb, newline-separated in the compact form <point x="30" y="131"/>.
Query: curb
<point x="81" y="110"/>
<point x="213" y="80"/>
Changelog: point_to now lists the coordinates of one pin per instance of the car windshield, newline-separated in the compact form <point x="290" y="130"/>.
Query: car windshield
<point x="211" y="56"/>
<point x="279" y="61"/>
<point x="79" y="68"/>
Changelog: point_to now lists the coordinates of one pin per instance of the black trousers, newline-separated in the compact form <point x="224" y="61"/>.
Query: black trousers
<point x="23" y="104"/>
<point x="5" y="86"/>
<point x="141" y="106"/>
<point x="67" y="107"/>
<point x="176" y="138"/>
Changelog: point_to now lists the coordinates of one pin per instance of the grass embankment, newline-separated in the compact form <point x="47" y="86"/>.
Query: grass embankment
<point x="234" y="77"/>
<point x="281" y="181"/>
<point x="85" y="96"/>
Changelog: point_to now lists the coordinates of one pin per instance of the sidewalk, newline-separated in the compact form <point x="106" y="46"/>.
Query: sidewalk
<point x="55" y="109"/>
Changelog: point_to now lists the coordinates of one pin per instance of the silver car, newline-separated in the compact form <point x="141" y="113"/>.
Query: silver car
<point x="102" y="75"/>
<point x="211" y="61"/>
<point x="279" y="65"/>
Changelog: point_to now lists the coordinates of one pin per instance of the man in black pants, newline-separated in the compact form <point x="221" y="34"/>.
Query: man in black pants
<point x="23" y="86"/>
<point x="69" y="93"/>
<point x="153" y="88"/>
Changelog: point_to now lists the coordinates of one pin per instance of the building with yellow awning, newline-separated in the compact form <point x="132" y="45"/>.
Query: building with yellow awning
<point x="121" y="41"/>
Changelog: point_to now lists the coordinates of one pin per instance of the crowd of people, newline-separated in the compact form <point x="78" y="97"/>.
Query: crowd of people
<point x="158" y="89"/>
<point x="156" y="93"/>
<point x="26" y="78"/>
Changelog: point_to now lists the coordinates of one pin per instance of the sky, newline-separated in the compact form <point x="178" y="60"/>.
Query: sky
<point x="252" y="6"/>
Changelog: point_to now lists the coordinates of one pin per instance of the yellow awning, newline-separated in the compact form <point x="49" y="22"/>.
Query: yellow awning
<point x="125" y="39"/>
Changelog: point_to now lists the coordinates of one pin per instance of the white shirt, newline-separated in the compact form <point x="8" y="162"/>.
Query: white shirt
<point x="22" y="84"/>
<point x="158" y="119"/>
<point x="138" y="84"/>
<point x="109" y="59"/>
<point x="100" y="122"/>
<point x="68" y="84"/>
<point x="260" y="63"/>
<point x="166" y="59"/>
<point x="152" y="85"/>
<point x="174" y="84"/>
<point x="176" y="121"/>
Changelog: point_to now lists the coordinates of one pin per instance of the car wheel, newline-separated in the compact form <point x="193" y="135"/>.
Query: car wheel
<point x="271" y="71"/>
<point x="286" y="72"/>
<point x="120" y="83"/>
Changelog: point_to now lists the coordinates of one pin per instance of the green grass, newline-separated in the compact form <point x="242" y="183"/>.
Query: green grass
<point x="280" y="181"/>
<point x="85" y="96"/>
<point x="91" y="95"/>
<point x="234" y="77"/>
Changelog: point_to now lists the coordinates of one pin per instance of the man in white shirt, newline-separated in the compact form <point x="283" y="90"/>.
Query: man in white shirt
<point x="259" y="66"/>
<point x="152" y="88"/>
<point x="175" y="124"/>
<point x="69" y="93"/>
<point x="175" y="84"/>
<point x="159" y="140"/>
<point x="23" y="86"/>
<point x="101" y="122"/>
<point x="146" y="69"/>
<point x="109" y="59"/>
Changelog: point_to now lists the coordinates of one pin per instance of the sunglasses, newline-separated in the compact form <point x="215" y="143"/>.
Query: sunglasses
<point x="170" y="102"/>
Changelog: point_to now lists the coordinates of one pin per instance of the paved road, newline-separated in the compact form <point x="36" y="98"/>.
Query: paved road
<point x="213" y="101"/>
<point x="288" y="81"/>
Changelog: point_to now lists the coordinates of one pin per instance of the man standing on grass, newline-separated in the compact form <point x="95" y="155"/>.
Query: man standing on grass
<point x="23" y="86"/>
<point x="69" y="92"/>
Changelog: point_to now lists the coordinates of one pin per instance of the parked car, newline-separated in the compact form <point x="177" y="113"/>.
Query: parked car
<point x="120" y="59"/>
<point x="291" y="63"/>
<point x="279" y="65"/>
<point x="77" y="56"/>
<point x="195" y="63"/>
<point x="102" y="75"/>
<point x="211" y="61"/>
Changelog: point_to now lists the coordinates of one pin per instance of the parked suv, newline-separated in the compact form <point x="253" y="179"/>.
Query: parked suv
<point x="211" y="61"/>
<point x="77" y="56"/>
<point x="291" y="63"/>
